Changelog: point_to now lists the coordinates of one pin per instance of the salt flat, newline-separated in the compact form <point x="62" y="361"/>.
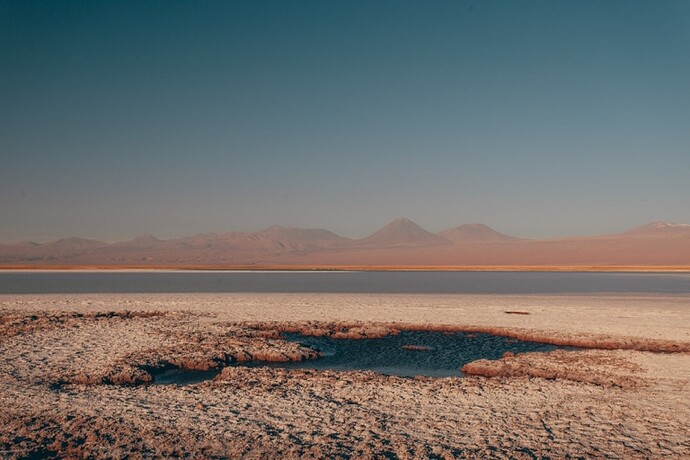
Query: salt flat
<point x="56" y="352"/>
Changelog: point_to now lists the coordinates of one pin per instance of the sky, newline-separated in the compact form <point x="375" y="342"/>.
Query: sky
<point x="540" y="118"/>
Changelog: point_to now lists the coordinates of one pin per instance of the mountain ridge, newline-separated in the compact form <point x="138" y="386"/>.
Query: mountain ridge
<point x="660" y="228"/>
<point x="399" y="243"/>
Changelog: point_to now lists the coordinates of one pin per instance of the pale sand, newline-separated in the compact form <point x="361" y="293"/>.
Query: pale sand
<point x="594" y="404"/>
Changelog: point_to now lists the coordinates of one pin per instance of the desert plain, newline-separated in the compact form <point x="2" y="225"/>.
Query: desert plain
<point x="75" y="375"/>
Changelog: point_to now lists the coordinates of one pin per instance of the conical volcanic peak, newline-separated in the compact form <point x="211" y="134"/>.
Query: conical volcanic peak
<point x="661" y="228"/>
<point x="402" y="232"/>
<point x="474" y="232"/>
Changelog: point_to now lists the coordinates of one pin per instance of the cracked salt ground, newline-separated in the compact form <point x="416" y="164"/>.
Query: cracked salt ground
<point x="598" y="403"/>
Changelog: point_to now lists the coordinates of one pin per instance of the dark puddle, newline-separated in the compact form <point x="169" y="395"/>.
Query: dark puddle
<point x="409" y="354"/>
<point x="183" y="376"/>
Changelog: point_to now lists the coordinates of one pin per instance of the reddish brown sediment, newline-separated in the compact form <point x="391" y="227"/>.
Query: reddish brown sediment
<point x="416" y="347"/>
<point x="593" y="366"/>
<point x="358" y="330"/>
<point x="605" y="342"/>
<point x="336" y="330"/>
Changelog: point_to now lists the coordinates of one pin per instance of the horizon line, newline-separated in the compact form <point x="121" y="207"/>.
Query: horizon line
<point x="289" y="227"/>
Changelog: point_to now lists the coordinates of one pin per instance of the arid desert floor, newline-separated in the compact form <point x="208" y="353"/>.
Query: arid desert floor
<point x="74" y="372"/>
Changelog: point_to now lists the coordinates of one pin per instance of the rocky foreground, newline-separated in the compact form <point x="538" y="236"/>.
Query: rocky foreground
<point x="75" y="374"/>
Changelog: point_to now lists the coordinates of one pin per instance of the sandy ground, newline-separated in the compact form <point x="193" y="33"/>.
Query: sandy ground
<point x="71" y="368"/>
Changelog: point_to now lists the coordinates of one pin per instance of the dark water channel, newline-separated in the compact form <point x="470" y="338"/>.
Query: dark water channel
<point x="435" y="354"/>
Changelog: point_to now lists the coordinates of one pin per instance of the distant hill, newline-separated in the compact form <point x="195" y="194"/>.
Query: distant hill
<point x="74" y="244"/>
<point x="141" y="242"/>
<point x="474" y="232"/>
<point x="308" y="237"/>
<point x="401" y="232"/>
<point x="661" y="228"/>
<point x="401" y="243"/>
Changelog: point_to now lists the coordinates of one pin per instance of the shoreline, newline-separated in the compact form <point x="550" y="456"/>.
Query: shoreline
<point x="353" y="268"/>
<point x="655" y="315"/>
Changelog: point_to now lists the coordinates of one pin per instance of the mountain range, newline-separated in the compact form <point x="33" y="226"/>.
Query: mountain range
<point x="400" y="244"/>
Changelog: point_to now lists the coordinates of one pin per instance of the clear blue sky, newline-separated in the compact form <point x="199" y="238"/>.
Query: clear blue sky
<point x="541" y="119"/>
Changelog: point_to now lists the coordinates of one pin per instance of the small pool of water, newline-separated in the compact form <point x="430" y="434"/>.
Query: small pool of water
<point x="409" y="354"/>
<point x="183" y="376"/>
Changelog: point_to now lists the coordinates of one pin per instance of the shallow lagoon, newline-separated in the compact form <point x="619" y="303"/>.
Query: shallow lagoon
<point x="408" y="354"/>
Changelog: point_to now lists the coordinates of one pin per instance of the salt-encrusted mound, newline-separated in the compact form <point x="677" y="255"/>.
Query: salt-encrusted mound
<point x="595" y="367"/>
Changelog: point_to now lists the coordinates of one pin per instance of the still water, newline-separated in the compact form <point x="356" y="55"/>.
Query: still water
<point x="344" y="282"/>
<point x="439" y="354"/>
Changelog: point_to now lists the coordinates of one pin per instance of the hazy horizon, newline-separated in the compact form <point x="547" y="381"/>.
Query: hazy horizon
<point x="539" y="119"/>
<point x="358" y="237"/>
